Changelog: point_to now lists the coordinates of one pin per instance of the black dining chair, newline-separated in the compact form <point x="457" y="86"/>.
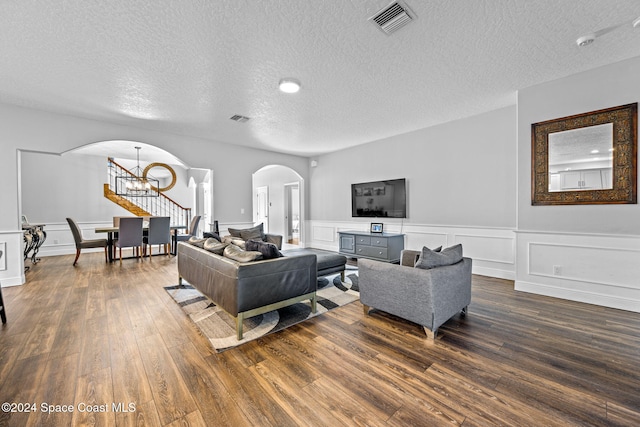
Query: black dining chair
<point x="82" y="243"/>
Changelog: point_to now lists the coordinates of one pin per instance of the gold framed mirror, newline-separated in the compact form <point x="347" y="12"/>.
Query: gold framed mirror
<point x="587" y="158"/>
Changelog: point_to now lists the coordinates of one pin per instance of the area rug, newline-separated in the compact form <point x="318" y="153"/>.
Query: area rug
<point x="220" y="328"/>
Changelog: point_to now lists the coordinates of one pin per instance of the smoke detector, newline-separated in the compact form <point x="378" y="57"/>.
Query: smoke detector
<point x="393" y="17"/>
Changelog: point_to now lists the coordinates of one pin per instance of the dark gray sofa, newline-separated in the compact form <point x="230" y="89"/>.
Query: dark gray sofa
<point x="427" y="297"/>
<point x="247" y="289"/>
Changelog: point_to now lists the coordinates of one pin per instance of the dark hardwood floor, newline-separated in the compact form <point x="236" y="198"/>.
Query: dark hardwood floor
<point x="108" y="337"/>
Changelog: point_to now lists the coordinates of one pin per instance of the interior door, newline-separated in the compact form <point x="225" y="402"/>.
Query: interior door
<point x="292" y="213"/>
<point x="262" y="207"/>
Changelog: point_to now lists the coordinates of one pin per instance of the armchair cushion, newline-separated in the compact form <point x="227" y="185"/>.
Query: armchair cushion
<point x="431" y="259"/>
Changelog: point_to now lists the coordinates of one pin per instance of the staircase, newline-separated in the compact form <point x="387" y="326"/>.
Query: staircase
<point x="144" y="206"/>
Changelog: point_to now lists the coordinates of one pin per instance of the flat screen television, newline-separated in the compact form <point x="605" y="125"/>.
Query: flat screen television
<point x="379" y="199"/>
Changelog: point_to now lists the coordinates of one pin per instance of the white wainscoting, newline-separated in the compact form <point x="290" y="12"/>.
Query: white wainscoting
<point x="492" y="249"/>
<point x="12" y="268"/>
<point x="592" y="268"/>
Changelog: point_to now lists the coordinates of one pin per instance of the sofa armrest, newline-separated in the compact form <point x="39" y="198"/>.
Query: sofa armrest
<point x="273" y="238"/>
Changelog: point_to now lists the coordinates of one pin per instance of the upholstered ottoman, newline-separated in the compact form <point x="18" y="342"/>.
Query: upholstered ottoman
<point x="328" y="262"/>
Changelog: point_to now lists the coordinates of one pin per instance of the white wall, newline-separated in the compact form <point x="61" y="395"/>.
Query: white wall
<point x="461" y="188"/>
<point x="34" y="130"/>
<point x="595" y="248"/>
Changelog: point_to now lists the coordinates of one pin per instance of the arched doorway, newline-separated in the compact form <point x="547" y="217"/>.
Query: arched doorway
<point x="74" y="188"/>
<point x="278" y="202"/>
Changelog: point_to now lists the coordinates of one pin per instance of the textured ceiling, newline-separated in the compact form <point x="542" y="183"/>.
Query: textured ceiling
<point x="187" y="66"/>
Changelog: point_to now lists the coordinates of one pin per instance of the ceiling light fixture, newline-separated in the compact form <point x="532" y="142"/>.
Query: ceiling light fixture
<point x="135" y="183"/>
<point x="590" y="38"/>
<point x="289" y="85"/>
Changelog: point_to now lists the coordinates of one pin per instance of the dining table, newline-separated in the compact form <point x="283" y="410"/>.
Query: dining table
<point x="113" y="231"/>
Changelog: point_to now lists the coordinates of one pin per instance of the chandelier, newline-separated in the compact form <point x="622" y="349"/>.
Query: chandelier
<point x="136" y="183"/>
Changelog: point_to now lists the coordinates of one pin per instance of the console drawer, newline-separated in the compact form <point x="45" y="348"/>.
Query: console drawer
<point x="379" y="241"/>
<point x="372" y="251"/>
<point x="363" y="240"/>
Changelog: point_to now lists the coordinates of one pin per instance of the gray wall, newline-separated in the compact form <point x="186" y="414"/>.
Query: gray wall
<point x="605" y="87"/>
<point x="458" y="173"/>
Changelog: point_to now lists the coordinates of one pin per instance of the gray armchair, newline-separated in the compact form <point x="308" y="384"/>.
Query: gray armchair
<point x="427" y="297"/>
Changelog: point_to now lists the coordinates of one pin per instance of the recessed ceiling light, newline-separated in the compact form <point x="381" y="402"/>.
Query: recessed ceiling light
<point x="289" y="85"/>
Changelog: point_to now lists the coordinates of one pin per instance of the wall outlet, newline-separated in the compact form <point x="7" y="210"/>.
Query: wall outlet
<point x="241" y="211"/>
<point x="557" y="270"/>
<point x="55" y="242"/>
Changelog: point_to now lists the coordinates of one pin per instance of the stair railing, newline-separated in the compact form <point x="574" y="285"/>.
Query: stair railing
<point x="156" y="206"/>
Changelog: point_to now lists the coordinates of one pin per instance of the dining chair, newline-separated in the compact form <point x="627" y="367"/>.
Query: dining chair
<point x="130" y="235"/>
<point x="82" y="243"/>
<point x="183" y="237"/>
<point x="159" y="233"/>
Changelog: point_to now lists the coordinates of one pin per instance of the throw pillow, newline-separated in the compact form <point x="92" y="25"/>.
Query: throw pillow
<point x="208" y="234"/>
<point x="251" y="233"/>
<point x="237" y="232"/>
<point x="268" y="250"/>
<point x="432" y="259"/>
<point x="213" y="245"/>
<point x="196" y="241"/>
<point x="234" y="241"/>
<point x="238" y="254"/>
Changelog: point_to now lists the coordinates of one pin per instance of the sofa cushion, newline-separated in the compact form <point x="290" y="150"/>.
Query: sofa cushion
<point x="432" y="259"/>
<point x="253" y="232"/>
<point x="236" y="253"/>
<point x="215" y="246"/>
<point x="196" y="241"/>
<point x="208" y="234"/>
<point x="268" y="250"/>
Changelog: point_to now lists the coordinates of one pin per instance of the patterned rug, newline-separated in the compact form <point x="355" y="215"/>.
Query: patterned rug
<point x="219" y="327"/>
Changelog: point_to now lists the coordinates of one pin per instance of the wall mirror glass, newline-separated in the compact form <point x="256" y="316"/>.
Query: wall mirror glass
<point x="588" y="158"/>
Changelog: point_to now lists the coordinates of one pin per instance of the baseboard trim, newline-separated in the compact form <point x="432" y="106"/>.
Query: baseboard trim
<point x="586" y="297"/>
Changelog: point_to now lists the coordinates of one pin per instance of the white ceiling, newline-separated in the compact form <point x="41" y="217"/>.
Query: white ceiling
<point x="187" y="66"/>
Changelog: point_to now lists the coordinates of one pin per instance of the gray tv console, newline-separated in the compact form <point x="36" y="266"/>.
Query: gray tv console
<point x="379" y="246"/>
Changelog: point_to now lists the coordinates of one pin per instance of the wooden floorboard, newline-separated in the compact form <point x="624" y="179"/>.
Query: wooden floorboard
<point x="108" y="336"/>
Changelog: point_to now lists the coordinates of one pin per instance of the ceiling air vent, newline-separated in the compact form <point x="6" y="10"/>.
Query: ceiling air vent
<point x="240" y="119"/>
<point x="393" y="17"/>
